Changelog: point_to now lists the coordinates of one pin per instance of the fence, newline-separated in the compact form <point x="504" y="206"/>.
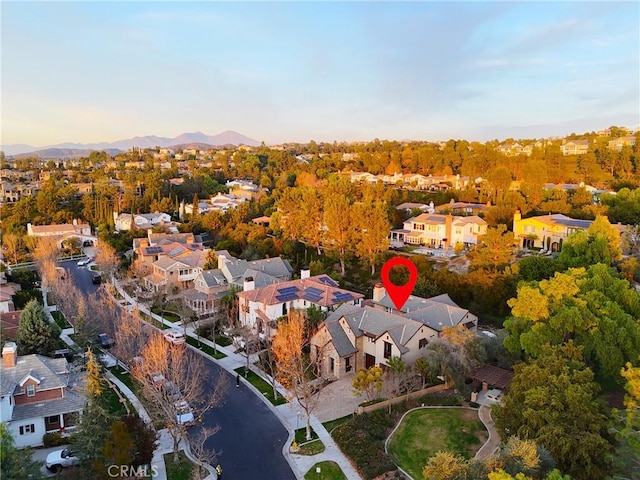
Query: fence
<point x="395" y="400"/>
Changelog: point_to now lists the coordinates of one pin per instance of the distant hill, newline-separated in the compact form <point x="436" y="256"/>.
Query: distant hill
<point x="149" y="141"/>
<point x="64" y="153"/>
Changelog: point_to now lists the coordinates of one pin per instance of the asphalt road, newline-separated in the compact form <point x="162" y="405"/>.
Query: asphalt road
<point x="250" y="438"/>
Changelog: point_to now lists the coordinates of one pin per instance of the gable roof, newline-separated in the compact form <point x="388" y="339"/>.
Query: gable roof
<point x="52" y="373"/>
<point x="319" y="290"/>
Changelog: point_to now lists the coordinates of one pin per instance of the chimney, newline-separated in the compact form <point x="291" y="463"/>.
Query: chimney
<point x="517" y="216"/>
<point x="378" y="292"/>
<point x="305" y="272"/>
<point x="249" y="284"/>
<point x="9" y="355"/>
<point x="447" y="231"/>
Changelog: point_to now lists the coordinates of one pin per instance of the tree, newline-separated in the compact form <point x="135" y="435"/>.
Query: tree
<point x="600" y="243"/>
<point x="144" y="439"/>
<point x="593" y="307"/>
<point x="495" y="250"/>
<point x="445" y="466"/>
<point x="369" y="382"/>
<point x="339" y="221"/>
<point x="553" y="401"/>
<point x="107" y="260"/>
<point x="183" y="373"/>
<point x="35" y="333"/>
<point x="199" y="450"/>
<point x="294" y="367"/>
<point x="16" y="464"/>
<point x="118" y="447"/>
<point x="371" y="232"/>
<point x="398" y="372"/>
<point x="45" y="254"/>
<point x="626" y="427"/>
<point x="13" y="245"/>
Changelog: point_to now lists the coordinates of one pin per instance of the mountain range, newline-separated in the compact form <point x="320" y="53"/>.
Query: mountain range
<point x="149" y="141"/>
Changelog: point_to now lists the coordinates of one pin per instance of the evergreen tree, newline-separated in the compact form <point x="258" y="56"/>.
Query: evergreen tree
<point x="35" y="333"/>
<point x="16" y="464"/>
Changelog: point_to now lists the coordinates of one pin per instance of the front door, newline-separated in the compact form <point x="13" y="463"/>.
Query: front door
<point x="369" y="360"/>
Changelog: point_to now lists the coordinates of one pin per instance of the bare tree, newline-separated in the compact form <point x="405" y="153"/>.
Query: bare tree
<point x="201" y="452"/>
<point x="130" y="336"/>
<point x="45" y="257"/>
<point x="107" y="260"/>
<point x="173" y="380"/>
<point x="13" y="245"/>
<point x="294" y="367"/>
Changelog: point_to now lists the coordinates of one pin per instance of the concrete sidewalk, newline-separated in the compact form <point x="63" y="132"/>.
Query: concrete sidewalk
<point x="287" y="414"/>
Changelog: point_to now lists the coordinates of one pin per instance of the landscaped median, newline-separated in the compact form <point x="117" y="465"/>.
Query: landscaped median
<point x="264" y="387"/>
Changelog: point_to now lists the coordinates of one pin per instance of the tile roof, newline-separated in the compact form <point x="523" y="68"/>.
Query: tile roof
<point x="320" y="290"/>
<point x="432" y="218"/>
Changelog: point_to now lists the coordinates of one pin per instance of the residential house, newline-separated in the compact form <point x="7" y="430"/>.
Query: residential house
<point x="575" y="147"/>
<point x="144" y="221"/>
<point x="7" y="291"/>
<point x="177" y="270"/>
<point x="38" y="395"/>
<point x="360" y="336"/>
<point x="9" y="322"/>
<point x="211" y="285"/>
<point x="10" y="193"/>
<point x="618" y="143"/>
<point x="260" y="307"/>
<point x="61" y="232"/>
<point x="546" y="232"/>
<point x="411" y="206"/>
<point x="440" y="231"/>
<point x="463" y="208"/>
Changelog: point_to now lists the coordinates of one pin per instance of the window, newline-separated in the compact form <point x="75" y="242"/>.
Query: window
<point x="347" y="364"/>
<point x="31" y="390"/>
<point x="458" y="231"/>
<point x="371" y="340"/>
<point x="387" y="350"/>
<point x="25" y="429"/>
<point x="53" y="420"/>
<point x="422" y="343"/>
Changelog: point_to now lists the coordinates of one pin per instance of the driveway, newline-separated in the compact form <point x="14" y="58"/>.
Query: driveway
<point x="337" y="400"/>
<point x="40" y="455"/>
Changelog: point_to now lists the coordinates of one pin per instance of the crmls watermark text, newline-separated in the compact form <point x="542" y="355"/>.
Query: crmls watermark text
<point x="127" y="471"/>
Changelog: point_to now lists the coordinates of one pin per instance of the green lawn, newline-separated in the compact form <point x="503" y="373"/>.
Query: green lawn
<point x="336" y="423"/>
<point x="261" y="385"/>
<point x="60" y="320"/>
<point x="424" y="432"/>
<point x="328" y="471"/>
<point x="180" y="470"/>
<point x="205" y="348"/>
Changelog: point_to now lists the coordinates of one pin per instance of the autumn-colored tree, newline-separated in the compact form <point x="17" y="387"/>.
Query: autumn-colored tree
<point x="444" y="466"/>
<point x="371" y="231"/>
<point x="45" y="256"/>
<point x="339" y="222"/>
<point x="368" y="382"/>
<point x="294" y="367"/>
<point x="118" y="447"/>
<point x="13" y="246"/>
<point x="183" y="372"/>
<point x="107" y="260"/>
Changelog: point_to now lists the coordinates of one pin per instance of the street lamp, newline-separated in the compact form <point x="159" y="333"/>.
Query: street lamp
<point x="318" y="472"/>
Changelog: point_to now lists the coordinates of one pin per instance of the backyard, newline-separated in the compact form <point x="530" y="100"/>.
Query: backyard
<point x="425" y="431"/>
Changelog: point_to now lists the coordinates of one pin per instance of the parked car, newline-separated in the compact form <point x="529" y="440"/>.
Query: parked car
<point x="172" y="391"/>
<point x="83" y="262"/>
<point x="174" y="336"/>
<point x="105" y="341"/>
<point x="60" y="459"/>
<point x="96" y="279"/>
<point x="184" y="415"/>
<point x="157" y="379"/>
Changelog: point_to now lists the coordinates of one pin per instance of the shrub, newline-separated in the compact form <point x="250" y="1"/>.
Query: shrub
<point x="54" y="439"/>
<point x="362" y="439"/>
<point x="22" y="297"/>
<point x="474" y="405"/>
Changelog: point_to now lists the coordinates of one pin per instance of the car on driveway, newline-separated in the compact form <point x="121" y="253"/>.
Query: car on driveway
<point x="83" y="262"/>
<point x="174" y="336"/>
<point x="59" y="459"/>
<point x="96" y="279"/>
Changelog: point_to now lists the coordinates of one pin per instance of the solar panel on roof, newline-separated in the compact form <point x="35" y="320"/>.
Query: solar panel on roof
<point x="328" y="281"/>
<point x="311" y="297"/>
<point x="313" y="291"/>
<point x="286" y="297"/>
<point x="287" y="290"/>
<point x="154" y="249"/>
<point x="341" y="297"/>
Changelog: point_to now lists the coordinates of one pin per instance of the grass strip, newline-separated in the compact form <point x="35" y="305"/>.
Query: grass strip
<point x="265" y="388"/>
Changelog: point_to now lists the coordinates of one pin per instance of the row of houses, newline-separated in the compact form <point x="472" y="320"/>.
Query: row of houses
<point x="414" y="180"/>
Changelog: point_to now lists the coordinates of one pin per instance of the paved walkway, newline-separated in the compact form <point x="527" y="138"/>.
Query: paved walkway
<point x="288" y="413"/>
<point x="493" y="442"/>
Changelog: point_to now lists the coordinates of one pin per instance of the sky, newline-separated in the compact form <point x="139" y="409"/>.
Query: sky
<point x="325" y="71"/>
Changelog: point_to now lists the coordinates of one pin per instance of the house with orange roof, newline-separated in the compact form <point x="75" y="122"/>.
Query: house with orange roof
<point x="260" y="307"/>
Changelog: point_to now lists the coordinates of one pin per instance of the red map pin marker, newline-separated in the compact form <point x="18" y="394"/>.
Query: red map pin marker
<point x="399" y="293"/>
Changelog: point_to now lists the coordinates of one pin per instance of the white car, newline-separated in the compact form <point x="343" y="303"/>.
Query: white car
<point x="184" y="415"/>
<point x="60" y="459"/>
<point x="83" y="262"/>
<point x="174" y="336"/>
